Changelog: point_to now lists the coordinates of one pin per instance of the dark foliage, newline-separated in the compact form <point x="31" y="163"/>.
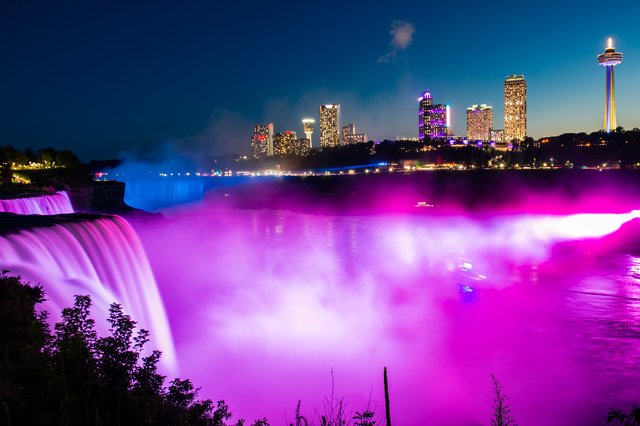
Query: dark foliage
<point x="366" y="418"/>
<point x="74" y="377"/>
<point x="619" y="417"/>
<point x="49" y="156"/>
<point x="6" y="175"/>
<point x="300" y="419"/>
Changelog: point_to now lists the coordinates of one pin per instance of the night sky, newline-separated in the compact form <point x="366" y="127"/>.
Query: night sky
<point x="107" y="78"/>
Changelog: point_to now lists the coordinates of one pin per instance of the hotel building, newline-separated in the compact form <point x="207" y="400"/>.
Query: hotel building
<point x="515" y="108"/>
<point x="349" y="135"/>
<point x="329" y="125"/>
<point x="262" y="140"/>
<point x="479" y="122"/>
<point x="433" y="120"/>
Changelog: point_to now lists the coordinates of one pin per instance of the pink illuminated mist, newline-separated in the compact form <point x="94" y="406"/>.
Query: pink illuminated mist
<point x="264" y="305"/>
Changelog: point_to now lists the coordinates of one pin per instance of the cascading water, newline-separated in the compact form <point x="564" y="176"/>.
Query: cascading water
<point x="57" y="203"/>
<point x="96" y="255"/>
<point x="163" y="192"/>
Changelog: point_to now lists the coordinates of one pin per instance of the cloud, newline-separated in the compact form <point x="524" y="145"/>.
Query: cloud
<point x="402" y="33"/>
<point x="401" y="37"/>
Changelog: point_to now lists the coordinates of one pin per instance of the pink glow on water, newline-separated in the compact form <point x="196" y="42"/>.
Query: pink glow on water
<point x="57" y="203"/>
<point x="579" y="226"/>
<point x="283" y="298"/>
<point x="100" y="257"/>
<point x="264" y="304"/>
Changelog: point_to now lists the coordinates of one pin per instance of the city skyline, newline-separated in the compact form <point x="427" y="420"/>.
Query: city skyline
<point x="139" y="78"/>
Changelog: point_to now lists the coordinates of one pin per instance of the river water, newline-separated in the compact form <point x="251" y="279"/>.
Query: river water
<point x="268" y="307"/>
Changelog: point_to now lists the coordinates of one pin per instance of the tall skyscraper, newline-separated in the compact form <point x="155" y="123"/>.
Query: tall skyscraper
<point x="609" y="59"/>
<point x="349" y="135"/>
<point x="262" y="140"/>
<point x="515" y="108"/>
<point x="307" y="127"/>
<point x="329" y="125"/>
<point x="479" y="122"/>
<point x="433" y="120"/>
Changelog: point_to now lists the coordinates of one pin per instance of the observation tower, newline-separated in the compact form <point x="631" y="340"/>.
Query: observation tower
<point x="609" y="59"/>
<point x="307" y="126"/>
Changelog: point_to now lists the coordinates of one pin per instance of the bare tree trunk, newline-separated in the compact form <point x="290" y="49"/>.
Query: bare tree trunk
<point x="387" y="407"/>
<point x="6" y="410"/>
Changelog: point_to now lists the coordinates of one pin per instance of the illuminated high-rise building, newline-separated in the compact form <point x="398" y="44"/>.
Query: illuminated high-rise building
<point x="349" y="135"/>
<point x="284" y="143"/>
<point x="515" y="108"/>
<point x="479" y="122"/>
<point x="434" y="121"/>
<point x="307" y="127"/>
<point x="287" y="143"/>
<point x="609" y="59"/>
<point x="329" y="125"/>
<point x="262" y="140"/>
<point x="302" y="146"/>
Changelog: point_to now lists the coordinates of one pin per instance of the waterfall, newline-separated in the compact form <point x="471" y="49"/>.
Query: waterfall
<point x="88" y="254"/>
<point x="57" y="203"/>
<point x="154" y="194"/>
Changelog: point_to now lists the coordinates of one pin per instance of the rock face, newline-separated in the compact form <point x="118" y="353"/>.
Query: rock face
<point x="85" y="193"/>
<point x="108" y="196"/>
<point x="76" y="182"/>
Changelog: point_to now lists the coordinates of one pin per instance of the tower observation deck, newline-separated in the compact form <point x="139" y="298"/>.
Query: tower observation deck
<point x="609" y="59"/>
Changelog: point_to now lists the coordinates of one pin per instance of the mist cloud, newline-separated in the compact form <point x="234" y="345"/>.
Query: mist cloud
<point x="401" y="37"/>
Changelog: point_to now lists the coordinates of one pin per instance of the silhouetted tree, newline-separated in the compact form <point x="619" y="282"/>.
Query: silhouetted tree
<point x="74" y="377"/>
<point x="66" y="158"/>
<point x="300" y="419"/>
<point x="24" y="366"/>
<point x="364" y="419"/>
<point x="75" y="370"/>
<point x="501" y="410"/>
<point x="619" y="417"/>
<point x="46" y="155"/>
<point x="6" y="175"/>
<point x="333" y="409"/>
